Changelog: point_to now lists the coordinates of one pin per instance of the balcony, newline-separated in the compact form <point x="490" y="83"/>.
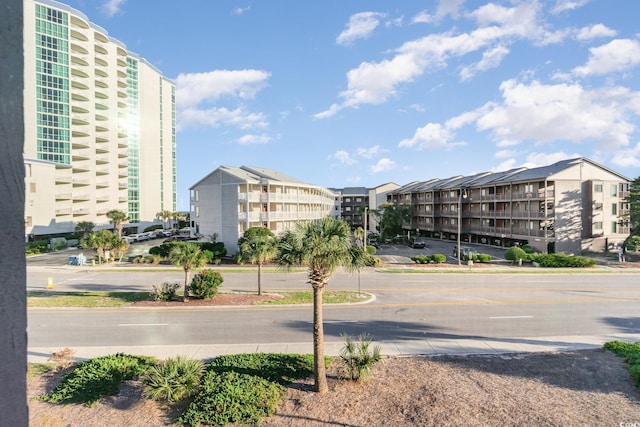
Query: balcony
<point x="80" y="142"/>
<point x="80" y="182"/>
<point x="81" y="155"/>
<point x="66" y="179"/>
<point x="78" y="33"/>
<point x="80" y="130"/>
<point x="63" y="211"/>
<point x="81" y="197"/>
<point x="81" y="211"/>
<point x="102" y="184"/>
<point x="63" y="196"/>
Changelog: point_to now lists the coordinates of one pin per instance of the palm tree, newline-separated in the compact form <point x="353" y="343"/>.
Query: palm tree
<point x="100" y="241"/>
<point x="116" y="218"/>
<point x="84" y="227"/>
<point x="258" y="245"/>
<point x="188" y="256"/>
<point x="323" y="246"/>
<point x="164" y="215"/>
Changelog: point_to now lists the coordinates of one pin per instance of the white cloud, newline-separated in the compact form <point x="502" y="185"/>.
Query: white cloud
<point x="430" y="136"/>
<point x="195" y="88"/>
<point x="361" y="25"/>
<point x="423" y="18"/>
<point x="490" y="59"/>
<point x="383" y="165"/>
<point x="241" y="10"/>
<point x="343" y="157"/>
<point x="501" y="154"/>
<point x="564" y="5"/>
<point x="112" y="7"/>
<point x="617" y="55"/>
<point x="216" y="117"/>
<point x="594" y="31"/>
<point x="449" y="7"/>
<point x="534" y="160"/>
<point x="562" y="112"/>
<point x="627" y="158"/>
<point x="369" y="153"/>
<point x="375" y="82"/>
<point x="251" y="139"/>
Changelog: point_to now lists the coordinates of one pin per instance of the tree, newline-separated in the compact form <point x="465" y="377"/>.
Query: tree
<point x="322" y="246"/>
<point x="164" y="216"/>
<point x="392" y="218"/>
<point x="116" y="218"/>
<point x="187" y="255"/>
<point x="84" y="227"/>
<point x="101" y="241"/>
<point x="258" y="245"/>
<point x="632" y="216"/>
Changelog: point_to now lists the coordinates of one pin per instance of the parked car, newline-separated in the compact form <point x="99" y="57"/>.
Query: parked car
<point x="132" y="238"/>
<point x="464" y="251"/>
<point x="419" y="243"/>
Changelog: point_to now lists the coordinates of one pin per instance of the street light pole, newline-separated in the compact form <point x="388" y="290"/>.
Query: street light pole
<point x="460" y="219"/>
<point x="364" y="237"/>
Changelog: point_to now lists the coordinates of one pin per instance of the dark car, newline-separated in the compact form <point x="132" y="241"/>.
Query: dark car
<point x="419" y="243"/>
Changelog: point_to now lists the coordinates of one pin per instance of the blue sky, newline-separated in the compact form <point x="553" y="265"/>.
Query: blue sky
<point x="359" y="93"/>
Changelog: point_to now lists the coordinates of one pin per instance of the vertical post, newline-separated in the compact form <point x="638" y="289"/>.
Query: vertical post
<point x="13" y="299"/>
<point x="459" y="219"/>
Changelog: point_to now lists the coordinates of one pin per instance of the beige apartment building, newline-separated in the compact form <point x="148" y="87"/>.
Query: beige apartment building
<point x="99" y="125"/>
<point x="570" y="206"/>
<point x="231" y="200"/>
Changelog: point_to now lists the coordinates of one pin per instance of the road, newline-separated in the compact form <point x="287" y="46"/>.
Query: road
<point x="409" y="308"/>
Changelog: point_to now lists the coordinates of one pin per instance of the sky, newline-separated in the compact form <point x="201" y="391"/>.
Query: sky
<point x="355" y="93"/>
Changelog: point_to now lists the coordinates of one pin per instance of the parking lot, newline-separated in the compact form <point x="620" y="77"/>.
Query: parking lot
<point x="401" y="254"/>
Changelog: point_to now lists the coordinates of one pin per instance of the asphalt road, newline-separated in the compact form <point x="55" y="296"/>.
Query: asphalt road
<point x="408" y="307"/>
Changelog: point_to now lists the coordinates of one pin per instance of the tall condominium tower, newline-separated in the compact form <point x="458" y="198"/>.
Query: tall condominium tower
<point x="99" y="125"/>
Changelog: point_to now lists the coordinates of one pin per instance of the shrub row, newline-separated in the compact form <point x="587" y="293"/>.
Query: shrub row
<point x="561" y="260"/>
<point x="631" y="353"/>
<point x="213" y="250"/>
<point x="426" y="259"/>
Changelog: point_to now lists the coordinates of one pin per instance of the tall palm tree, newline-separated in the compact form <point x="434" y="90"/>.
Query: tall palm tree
<point x="100" y="241"/>
<point x="116" y="218"/>
<point x="164" y="216"/>
<point x="322" y="246"/>
<point x="84" y="227"/>
<point x="188" y="256"/>
<point x="258" y="245"/>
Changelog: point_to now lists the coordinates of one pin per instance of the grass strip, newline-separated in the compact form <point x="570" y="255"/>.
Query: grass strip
<point x="631" y="353"/>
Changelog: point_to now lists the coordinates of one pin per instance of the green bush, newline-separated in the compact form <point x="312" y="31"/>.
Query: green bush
<point x="280" y="368"/>
<point x="152" y="259"/>
<point x="438" y="258"/>
<point x="153" y="228"/>
<point x="358" y="358"/>
<point x="482" y="258"/>
<point x="217" y="248"/>
<point x="208" y="255"/>
<point x="561" y="260"/>
<point x="165" y="292"/>
<point x="205" y="284"/>
<point x="515" y="253"/>
<point x="37" y="247"/>
<point x="421" y="259"/>
<point x="232" y="397"/>
<point x="174" y="379"/>
<point x="93" y="379"/>
<point x="371" y="250"/>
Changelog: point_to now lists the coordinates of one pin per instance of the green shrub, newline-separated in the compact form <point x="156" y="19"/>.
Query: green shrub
<point x="174" y="379"/>
<point x="561" y="260"/>
<point x="165" y="292"/>
<point x="232" y="397"/>
<point x="37" y="247"/>
<point x="515" y="253"/>
<point x="482" y="258"/>
<point x="138" y="260"/>
<point x="371" y="250"/>
<point x="438" y="258"/>
<point x="205" y="284"/>
<point x="280" y="368"/>
<point x="358" y="358"/>
<point x="153" y="228"/>
<point x="163" y="250"/>
<point x="93" y="379"/>
<point x="217" y="248"/>
<point x="421" y="259"/>
<point x="528" y="249"/>
<point x="208" y="255"/>
<point x="152" y="259"/>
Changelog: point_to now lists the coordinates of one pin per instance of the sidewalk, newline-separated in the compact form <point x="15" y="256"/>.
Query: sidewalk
<point x="426" y="347"/>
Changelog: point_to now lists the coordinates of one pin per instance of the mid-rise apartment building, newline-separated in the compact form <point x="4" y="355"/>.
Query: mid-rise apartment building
<point x="354" y="204"/>
<point x="570" y="206"/>
<point x="231" y="200"/>
<point x="99" y="125"/>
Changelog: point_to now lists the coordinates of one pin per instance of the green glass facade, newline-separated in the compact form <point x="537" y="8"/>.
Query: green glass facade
<point x="133" y="127"/>
<point x="52" y="85"/>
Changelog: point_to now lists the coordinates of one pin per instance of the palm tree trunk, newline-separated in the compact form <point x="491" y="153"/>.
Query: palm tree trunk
<point x="259" y="278"/>
<point x="186" y="286"/>
<point x="319" y="371"/>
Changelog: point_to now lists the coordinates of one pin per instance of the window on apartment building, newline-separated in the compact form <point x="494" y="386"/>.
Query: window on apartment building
<point x="614" y="209"/>
<point x="358" y="199"/>
<point x="197" y="211"/>
<point x="28" y="222"/>
<point x="196" y="195"/>
<point x="32" y="187"/>
<point x="528" y="188"/>
<point x="347" y="208"/>
<point x="347" y="199"/>
<point x="614" y="227"/>
<point x="597" y="225"/>
<point x="614" y="190"/>
<point x="597" y="188"/>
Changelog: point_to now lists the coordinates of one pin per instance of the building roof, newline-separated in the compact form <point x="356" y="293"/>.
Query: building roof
<point x="254" y="175"/>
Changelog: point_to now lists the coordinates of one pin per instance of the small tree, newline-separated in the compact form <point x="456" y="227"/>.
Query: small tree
<point x="116" y="218"/>
<point x="258" y="245"/>
<point x="322" y="246"/>
<point x="188" y="256"/>
<point x="84" y="227"/>
<point x="100" y="241"/>
<point x="515" y="254"/>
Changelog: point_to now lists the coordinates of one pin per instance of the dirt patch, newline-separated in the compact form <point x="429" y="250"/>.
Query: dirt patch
<point x="587" y="387"/>
<point x="239" y="298"/>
